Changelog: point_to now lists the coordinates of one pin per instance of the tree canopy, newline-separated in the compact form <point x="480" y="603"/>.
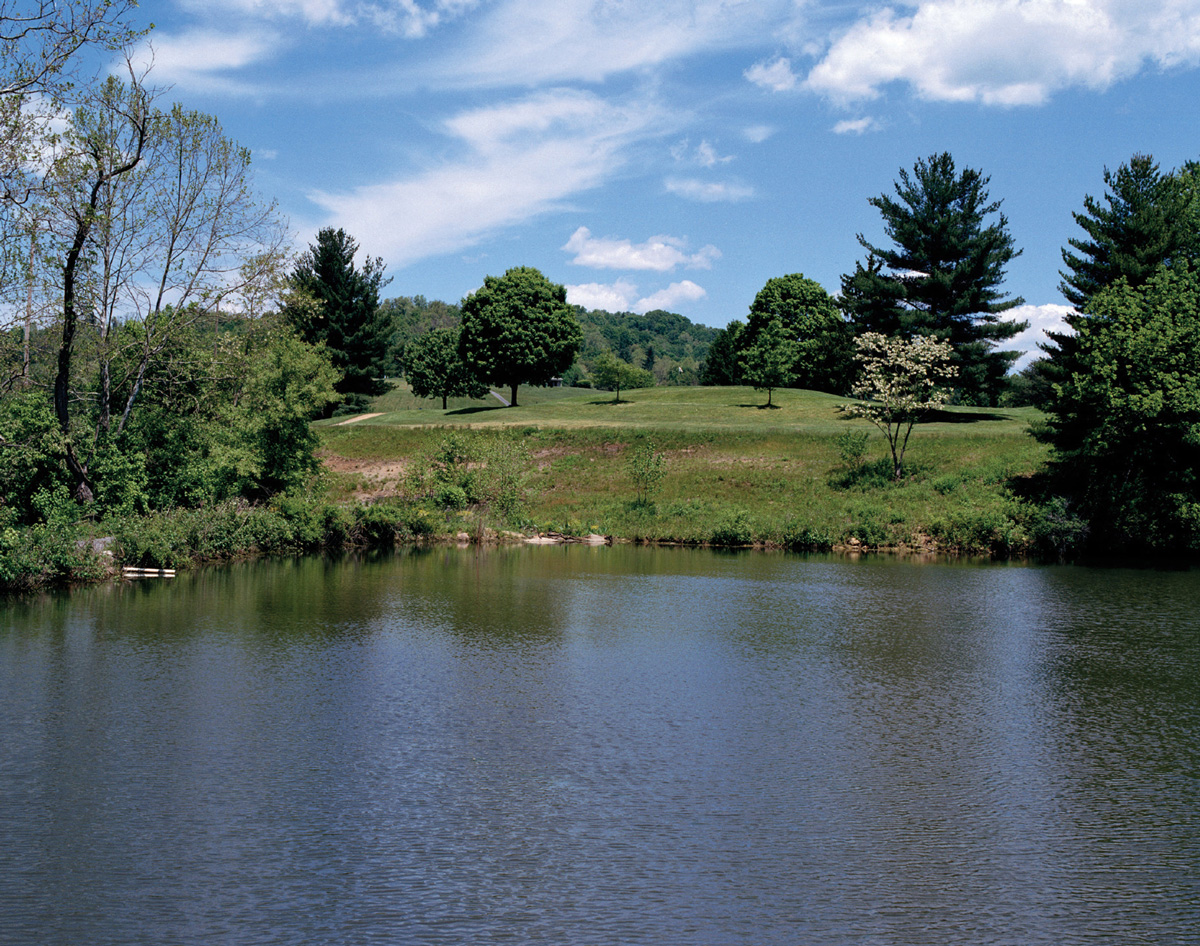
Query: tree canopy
<point x="1124" y="418"/>
<point x="518" y="329"/>
<point x="611" y="373"/>
<point x="434" y="367"/>
<point x="346" y="316"/>
<point x="768" y="361"/>
<point x="821" y="356"/>
<point x="942" y="275"/>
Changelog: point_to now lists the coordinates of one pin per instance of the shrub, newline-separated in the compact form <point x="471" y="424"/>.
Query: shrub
<point x="733" y="530"/>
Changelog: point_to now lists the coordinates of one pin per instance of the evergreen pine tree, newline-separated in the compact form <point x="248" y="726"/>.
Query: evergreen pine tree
<point x="942" y="277"/>
<point x="336" y="303"/>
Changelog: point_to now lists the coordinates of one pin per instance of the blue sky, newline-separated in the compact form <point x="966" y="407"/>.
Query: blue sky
<point x="676" y="154"/>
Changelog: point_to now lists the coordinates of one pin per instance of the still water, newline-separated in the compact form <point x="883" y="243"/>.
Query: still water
<point x="613" y="745"/>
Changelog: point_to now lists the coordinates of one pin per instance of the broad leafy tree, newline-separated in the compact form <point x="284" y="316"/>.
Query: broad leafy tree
<point x="1124" y="418"/>
<point x="822" y="357"/>
<point x="768" y="361"/>
<point x="434" y="367"/>
<point x="346" y="316"/>
<point x="900" y="382"/>
<point x="518" y="329"/>
<point x="612" y="374"/>
<point x="942" y="274"/>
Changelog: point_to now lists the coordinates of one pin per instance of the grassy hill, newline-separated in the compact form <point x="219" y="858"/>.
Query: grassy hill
<point x="734" y="470"/>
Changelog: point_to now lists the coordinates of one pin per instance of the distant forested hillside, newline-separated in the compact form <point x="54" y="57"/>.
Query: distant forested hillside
<point x="670" y="345"/>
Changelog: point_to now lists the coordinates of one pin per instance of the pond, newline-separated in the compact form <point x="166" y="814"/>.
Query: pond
<point x="604" y="745"/>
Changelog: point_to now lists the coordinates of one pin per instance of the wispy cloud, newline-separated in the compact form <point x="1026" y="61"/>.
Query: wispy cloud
<point x="757" y="134"/>
<point x="410" y="18"/>
<point x="1007" y="52"/>
<point x="203" y="58"/>
<point x="520" y="159"/>
<point x="533" y="42"/>
<point x="856" y="126"/>
<point x="708" y="192"/>
<point x="659" y="253"/>
<point x="774" y="74"/>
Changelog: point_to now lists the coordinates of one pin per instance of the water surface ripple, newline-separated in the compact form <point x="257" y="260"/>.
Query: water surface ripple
<point x="618" y="745"/>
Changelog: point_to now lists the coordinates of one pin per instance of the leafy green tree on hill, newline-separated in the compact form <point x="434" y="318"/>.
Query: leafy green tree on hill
<point x="768" y="362"/>
<point x="611" y="373"/>
<point x="434" y="367"/>
<point x="1124" y="420"/>
<point x="941" y="276"/>
<point x="821" y="353"/>
<point x="518" y="329"/>
<point x="346" y="316"/>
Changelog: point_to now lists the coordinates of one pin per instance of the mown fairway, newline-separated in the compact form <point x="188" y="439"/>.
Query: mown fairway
<point x="732" y="466"/>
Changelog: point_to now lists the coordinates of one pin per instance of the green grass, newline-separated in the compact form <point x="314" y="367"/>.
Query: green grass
<point x="676" y="408"/>
<point x="736" y="470"/>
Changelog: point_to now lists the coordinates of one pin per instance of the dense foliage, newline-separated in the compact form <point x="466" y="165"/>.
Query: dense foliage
<point x="335" y="303"/>
<point x="821" y="356"/>
<point x="435" y="368"/>
<point x="942" y="275"/>
<point x="518" y="329"/>
<point x="1124" y="421"/>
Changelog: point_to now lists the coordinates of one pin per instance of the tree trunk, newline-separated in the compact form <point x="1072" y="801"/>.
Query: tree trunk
<point x="443" y="402"/>
<point x="512" y="401"/>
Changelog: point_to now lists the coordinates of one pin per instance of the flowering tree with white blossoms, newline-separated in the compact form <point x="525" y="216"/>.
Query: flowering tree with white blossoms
<point x="900" y="380"/>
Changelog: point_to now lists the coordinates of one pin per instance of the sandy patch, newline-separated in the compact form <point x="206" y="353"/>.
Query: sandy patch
<point x="356" y="418"/>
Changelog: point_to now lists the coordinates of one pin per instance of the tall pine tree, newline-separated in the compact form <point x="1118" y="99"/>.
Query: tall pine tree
<point x="336" y="303"/>
<point x="942" y="276"/>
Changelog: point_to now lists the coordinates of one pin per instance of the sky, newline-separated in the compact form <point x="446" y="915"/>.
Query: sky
<point x="676" y="154"/>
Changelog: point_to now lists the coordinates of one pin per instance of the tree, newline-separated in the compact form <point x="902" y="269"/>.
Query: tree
<point x="768" y="362"/>
<point x="721" y="363"/>
<point x="1124" y="421"/>
<point x="942" y="278"/>
<point x="153" y="223"/>
<point x="821" y="335"/>
<point x="611" y="373"/>
<point x="518" y="329"/>
<point x="40" y="43"/>
<point x="901" y="380"/>
<point x="434" y="367"/>
<point x="1146" y="218"/>
<point x="347" y="318"/>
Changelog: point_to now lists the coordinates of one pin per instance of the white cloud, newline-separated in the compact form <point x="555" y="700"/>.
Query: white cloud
<point x="612" y="297"/>
<point x="519" y="159"/>
<point x="775" y="74"/>
<point x="531" y="42"/>
<point x="757" y="134"/>
<point x="1006" y="52"/>
<point x="411" y="18"/>
<point x="198" y="57"/>
<point x="659" y="253"/>
<point x="708" y="192"/>
<point x="857" y="126"/>
<point x="677" y="292"/>
<point x="1041" y="319"/>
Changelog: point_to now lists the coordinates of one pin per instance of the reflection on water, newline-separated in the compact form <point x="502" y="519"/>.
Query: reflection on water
<point x="615" y="745"/>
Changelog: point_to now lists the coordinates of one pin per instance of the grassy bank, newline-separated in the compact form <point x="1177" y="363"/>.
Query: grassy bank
<point x="734" y="472"/>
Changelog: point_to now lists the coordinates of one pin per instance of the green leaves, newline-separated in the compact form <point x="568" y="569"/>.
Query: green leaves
<point x="518" y="329"/>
